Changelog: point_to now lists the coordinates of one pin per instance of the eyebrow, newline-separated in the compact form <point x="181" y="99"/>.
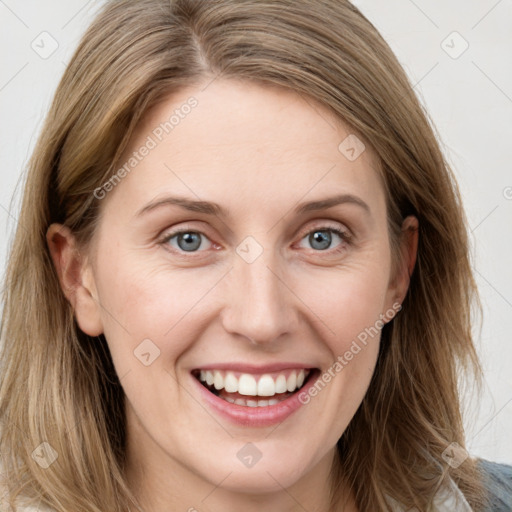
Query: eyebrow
<point x="211" y="208"/>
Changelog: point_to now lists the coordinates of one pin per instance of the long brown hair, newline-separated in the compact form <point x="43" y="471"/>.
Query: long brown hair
<point x="59" y="386"/>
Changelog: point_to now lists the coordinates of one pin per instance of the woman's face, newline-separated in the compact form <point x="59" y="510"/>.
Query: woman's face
<point x="265" y="287"/>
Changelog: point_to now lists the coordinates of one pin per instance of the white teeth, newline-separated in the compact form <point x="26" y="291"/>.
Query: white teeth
<point x="246" y="384"/>
<point x="231" y="383"/>
<point x="253" y="403"/>
<point x="218" y="380"/>
<point x="281" y="384"/>
<point x="291" y="383"/>
<point x="266" y="386"/>
<point x="300" y="378"/>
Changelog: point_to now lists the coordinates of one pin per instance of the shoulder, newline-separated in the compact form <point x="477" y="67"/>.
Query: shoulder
<point x="498" y="481"/>
<point x="23" y="504"/>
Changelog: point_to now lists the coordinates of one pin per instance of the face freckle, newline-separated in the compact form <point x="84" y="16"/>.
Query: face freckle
<point x="263" y="289"/>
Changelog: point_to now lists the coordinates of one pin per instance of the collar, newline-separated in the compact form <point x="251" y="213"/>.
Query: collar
<point x="447" y="499"/>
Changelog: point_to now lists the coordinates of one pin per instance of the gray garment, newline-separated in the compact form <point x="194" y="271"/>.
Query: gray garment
<point x="498" y="481"/>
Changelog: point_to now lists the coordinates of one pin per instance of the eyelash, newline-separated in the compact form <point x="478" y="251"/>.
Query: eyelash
<point x="345" y="236"/>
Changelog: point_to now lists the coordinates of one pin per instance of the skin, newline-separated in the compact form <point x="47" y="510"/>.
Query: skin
<point x="258" y="151"/>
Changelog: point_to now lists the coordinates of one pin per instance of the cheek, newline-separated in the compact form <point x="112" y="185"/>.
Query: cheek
<point x="151" y="302"/>
<point x="347" y="301"/>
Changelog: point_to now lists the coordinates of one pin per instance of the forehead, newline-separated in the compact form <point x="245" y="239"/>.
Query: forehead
<point x="240" y="142"/>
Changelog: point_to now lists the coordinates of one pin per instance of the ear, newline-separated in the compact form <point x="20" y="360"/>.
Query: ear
<point x="76" y="278"/>
<point x="408" y="253"/>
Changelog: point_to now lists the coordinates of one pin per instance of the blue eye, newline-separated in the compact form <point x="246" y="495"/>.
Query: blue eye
<point x="188" y="241"/>
<point x="321" y="238"/>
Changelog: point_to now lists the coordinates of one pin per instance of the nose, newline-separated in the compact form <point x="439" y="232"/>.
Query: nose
<point x="259" y="302"/>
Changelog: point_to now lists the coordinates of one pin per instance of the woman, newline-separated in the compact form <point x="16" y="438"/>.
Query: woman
<point x="241" y="275"/>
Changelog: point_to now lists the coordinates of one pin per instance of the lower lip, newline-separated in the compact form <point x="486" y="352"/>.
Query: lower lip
<point x="255" y="416"/>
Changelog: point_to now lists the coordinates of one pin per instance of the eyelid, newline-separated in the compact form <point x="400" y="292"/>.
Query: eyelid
<point x="325" y="226"/>
<point x="343" y="232"/>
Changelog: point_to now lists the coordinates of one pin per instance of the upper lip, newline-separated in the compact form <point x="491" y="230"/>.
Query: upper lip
<point x="255" y="369"/>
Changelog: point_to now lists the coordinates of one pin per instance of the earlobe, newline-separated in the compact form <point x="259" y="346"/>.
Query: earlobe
<point x="75" y="277"/>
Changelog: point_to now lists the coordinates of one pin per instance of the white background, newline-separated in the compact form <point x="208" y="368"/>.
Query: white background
<point x="469" y="99"/>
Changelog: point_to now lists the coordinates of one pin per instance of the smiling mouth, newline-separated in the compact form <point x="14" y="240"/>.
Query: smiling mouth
<point x="250" y="390"/>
